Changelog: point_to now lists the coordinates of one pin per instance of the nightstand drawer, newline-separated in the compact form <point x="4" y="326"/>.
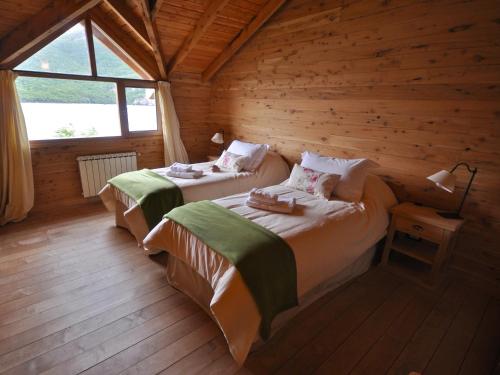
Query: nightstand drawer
<point x="419" y="229"/>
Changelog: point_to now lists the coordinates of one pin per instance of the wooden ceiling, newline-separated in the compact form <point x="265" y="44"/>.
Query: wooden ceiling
<point x="182" y="36"/>
<point x="13" y="14"/>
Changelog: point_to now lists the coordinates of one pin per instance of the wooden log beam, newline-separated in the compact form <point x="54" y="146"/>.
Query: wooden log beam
<point x="192" y="40"/>
<point x="264" y="14"/>
<point x="139" y="57"/>
<point x="130" y="18"/>
<point x="153" y="37"/>
<point x="45" y="23"/>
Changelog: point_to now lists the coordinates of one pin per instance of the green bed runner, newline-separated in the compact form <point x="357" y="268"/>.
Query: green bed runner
<point x="155" y="194"/>
<point x="264" y="259"/>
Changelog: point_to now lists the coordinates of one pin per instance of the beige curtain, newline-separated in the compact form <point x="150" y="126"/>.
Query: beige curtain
<point x="16" y="173"/>
<point x="174" y="148"/>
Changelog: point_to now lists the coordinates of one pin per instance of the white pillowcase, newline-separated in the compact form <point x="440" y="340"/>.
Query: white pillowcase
<point x="377" y="190"/>
<point x="255" y="153"/>
<point x="353" y="173"/>
<point x="232" y="162"/>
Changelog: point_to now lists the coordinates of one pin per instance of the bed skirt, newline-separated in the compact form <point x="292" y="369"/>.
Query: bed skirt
<point x="189" y="282"/>
<point x="128" y="214"/>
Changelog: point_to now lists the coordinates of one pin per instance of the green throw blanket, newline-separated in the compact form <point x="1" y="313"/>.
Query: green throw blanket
<point x="155" y="194"/>
<point x="264" y="260"/>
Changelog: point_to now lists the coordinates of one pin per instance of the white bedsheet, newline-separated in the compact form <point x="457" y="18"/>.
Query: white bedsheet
<point x="212" y="185"/>
<point x="325" y="236"/>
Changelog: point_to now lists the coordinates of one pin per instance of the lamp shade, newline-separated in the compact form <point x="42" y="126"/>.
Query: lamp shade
<point x="444" y="180"/>
<point x="218" y="138"/>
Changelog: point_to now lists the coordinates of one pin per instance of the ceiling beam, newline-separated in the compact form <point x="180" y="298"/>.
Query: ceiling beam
<point x="264" y="14"/>
<point x="128" y="16"/>
<point x="192" y="40"/>
<point x="153" y="37"/>
<point x="156" y="9"/>
<point x="140" y="57"/>
<point x="45" y="23"/>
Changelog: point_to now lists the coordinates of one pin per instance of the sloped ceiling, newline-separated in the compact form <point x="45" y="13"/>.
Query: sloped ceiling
<point x="12" y="13"/>
<point x="176" y="22"/>
<point x="177" y="19"/>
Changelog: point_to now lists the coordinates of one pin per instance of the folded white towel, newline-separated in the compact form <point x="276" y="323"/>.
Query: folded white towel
<point x="282" y="206"/>
<point x="180" y="167"/>
<point x="284" y="200"/>
<point x="193" y="174"/>
<point x="263" y="196"/>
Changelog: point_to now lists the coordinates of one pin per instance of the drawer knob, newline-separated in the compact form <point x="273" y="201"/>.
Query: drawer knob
<point x="418" y="228"/>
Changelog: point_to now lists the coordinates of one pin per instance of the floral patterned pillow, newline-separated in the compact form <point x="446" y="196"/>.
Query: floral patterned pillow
<point x="313" y="182"/>
<point x="232" y="162"/>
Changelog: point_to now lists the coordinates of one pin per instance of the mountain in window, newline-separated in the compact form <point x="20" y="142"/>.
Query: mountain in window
<point x="108" y="62"/>
<point x="67" y="54"/>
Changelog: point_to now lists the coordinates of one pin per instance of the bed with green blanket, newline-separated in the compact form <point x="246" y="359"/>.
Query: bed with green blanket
<point x="244" y="265"/>
<point x="140" y="199"/>
<point x="155" y="194"/>
<point x="264" y="259"/>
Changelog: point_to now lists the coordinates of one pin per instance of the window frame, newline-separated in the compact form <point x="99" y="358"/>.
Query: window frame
<point x="121" y="85"/>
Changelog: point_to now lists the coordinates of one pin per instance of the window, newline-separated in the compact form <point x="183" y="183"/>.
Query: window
<point x="108" y="62"/>
<point x="67" y="54"/>
<point x="141" y="109"/>
<point x="62" y="108"/>
<point x="83" y="85"/>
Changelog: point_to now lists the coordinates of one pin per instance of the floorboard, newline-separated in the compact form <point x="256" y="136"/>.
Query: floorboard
<point x="77" y="296"/>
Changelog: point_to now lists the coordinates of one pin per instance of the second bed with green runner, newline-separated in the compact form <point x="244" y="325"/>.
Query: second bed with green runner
<point x="332" y="242"/>
<point x="264" y="260"/>
<point x="155" y="194"/>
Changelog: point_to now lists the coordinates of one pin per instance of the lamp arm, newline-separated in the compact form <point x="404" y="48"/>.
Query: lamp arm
<point x="473" y="174"/>
<point x="471" y="170"/>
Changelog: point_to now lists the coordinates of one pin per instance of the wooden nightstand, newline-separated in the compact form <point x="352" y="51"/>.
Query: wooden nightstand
<point x="419" y="233"/>
<point x="212" y="158"/>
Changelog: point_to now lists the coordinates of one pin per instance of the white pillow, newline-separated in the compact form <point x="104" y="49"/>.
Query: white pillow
<point x="259" y="158"/>
<point x="230" y="161"/>
<point x="377" y="190"/>
<point x="255" y="153"/>
<point x="353" y="173"/>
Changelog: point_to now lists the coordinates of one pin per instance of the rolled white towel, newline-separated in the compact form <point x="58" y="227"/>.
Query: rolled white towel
<point x="180" y="167"/>
<point x="193" y="174"/>
<point x="263" y="196"/>
<point x="281" y="207"/>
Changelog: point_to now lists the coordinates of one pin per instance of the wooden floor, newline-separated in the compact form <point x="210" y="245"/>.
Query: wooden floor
<point x="78" y="296"/>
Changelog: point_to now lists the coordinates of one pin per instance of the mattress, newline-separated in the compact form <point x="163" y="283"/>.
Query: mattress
<point x="212" y="185"/>
<point x="326" y="237"/>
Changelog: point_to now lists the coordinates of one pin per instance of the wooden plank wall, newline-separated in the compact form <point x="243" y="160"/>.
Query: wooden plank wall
<point x="414" y="85"/>
<point x="55" y="169"/>
<point x="192" y="102"/>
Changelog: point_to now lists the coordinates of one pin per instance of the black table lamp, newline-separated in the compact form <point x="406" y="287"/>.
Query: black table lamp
<point x="446" y="181"/>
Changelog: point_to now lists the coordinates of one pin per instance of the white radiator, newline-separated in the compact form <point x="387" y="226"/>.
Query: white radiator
<point x="96" y="170"/>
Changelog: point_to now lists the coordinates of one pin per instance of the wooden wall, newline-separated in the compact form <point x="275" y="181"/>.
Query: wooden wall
<point x="414" y="85"/>
<point x="192" y="102"/>
<point x="55" y="169"/>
